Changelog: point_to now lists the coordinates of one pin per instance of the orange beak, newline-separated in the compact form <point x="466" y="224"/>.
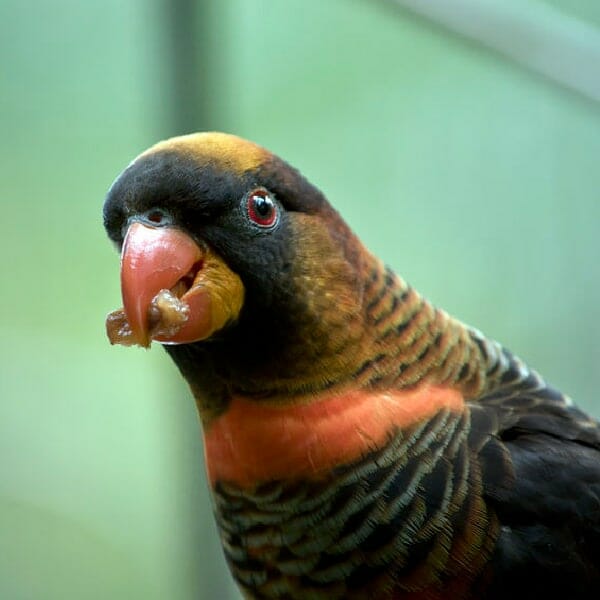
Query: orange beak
<point x="173" y="291"/>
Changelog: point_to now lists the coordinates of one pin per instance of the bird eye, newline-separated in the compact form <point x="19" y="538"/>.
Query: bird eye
<point x="261" y="208"/>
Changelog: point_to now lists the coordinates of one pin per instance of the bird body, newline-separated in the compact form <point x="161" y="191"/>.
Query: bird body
<point x="360" y="443"/>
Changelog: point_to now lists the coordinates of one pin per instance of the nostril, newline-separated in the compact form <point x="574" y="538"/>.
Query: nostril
<point x="157" y="217"/>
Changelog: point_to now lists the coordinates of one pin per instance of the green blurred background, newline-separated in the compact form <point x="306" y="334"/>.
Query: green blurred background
<point x="455" y="159"/>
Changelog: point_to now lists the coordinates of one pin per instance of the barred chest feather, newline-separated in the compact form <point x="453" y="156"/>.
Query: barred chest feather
<point x="351" y="495"/>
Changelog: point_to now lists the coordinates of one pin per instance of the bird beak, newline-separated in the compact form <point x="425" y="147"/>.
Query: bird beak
<point x="174" y="291"/>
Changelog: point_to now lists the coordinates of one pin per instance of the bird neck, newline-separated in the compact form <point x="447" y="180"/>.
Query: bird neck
<point x="371" y="331"/>
<point x="413" y="343"/>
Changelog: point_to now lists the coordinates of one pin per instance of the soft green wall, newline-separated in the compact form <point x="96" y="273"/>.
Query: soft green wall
<point x="474" y="178"/>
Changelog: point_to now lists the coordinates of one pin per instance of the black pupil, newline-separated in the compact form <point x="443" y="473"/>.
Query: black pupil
<point x="263" y="206"/>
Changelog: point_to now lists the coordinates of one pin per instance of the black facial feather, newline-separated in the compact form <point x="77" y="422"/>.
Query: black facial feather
<point x="194" y="196"/>
<point x="198" y="193"/>
<point x="206" y="201"/>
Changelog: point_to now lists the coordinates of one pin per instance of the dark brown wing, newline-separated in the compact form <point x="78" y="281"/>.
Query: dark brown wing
<point x="541" y="475"/>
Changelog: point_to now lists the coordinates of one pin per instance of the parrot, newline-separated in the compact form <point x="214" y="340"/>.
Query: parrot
<point x="359" y="441"/>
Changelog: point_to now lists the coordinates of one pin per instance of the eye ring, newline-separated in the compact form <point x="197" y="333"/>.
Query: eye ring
<point x="261" y="208"/>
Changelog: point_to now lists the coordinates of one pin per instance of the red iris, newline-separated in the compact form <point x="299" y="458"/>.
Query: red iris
<point x="262" y="209"/>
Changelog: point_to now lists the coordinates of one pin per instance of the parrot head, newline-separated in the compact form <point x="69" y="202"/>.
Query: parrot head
<point x="237" y="264"/>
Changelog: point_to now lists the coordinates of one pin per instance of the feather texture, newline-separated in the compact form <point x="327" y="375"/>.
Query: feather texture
<point x="360" y="442"/>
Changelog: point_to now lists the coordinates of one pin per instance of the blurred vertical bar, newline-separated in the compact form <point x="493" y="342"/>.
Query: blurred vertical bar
<point x="189" y="44"/>
<point x="192" y="75"/>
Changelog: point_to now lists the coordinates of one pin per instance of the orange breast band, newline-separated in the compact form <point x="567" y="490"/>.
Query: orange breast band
<point x="253" y="443"/>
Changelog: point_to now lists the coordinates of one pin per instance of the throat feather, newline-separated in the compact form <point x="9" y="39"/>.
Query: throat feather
<point x="254" y="443"/>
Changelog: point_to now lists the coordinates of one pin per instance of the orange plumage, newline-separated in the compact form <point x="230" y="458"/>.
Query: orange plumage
<point x="254" y="443"/>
